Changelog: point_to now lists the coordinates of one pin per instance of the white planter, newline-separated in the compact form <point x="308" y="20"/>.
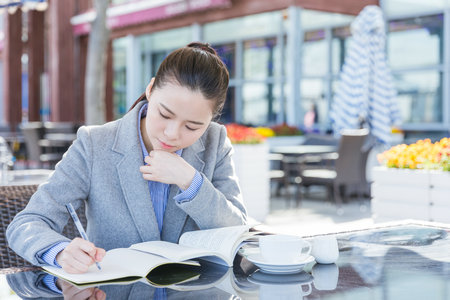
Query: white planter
<point x="410" y="194"/>
<point x="252" y="169"/>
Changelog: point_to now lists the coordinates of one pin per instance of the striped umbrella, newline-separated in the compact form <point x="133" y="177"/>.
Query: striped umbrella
<point x="365" y="95"/>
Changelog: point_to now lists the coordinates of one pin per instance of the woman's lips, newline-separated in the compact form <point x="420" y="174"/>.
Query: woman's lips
<point x="164" y="145"/>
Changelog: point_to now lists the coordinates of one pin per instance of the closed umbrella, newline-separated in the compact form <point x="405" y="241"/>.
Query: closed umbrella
<point x="365" y="95"/>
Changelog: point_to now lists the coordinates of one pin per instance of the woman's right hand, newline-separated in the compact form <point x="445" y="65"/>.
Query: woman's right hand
<point x="79" y="255"/>
<point x="73" y="293"/>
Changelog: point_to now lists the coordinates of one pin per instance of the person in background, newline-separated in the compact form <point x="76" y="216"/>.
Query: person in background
<point x="311" y="117"/>
<point x="163" y="169"/>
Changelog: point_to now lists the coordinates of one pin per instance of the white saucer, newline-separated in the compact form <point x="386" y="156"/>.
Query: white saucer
<point x="271" y="268"/>
<point x="260" y="277"/>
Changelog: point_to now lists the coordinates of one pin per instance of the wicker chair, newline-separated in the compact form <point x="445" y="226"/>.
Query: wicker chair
<point x="13" y="199"/>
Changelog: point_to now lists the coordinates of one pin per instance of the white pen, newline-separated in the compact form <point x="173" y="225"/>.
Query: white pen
<point x="79" y="226"/>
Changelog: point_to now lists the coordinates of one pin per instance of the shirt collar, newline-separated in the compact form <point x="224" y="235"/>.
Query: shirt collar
<point x="142" y="114"/>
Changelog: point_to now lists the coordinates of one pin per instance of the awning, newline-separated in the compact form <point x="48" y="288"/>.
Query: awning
<point x="13" y="5"/>
<point x="136" y="12"/>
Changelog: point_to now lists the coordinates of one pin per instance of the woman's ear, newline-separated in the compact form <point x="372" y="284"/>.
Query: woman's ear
<point x="148" y="90"/>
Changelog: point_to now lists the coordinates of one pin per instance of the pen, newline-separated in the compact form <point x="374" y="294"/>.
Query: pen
<point x="80" y="228"/>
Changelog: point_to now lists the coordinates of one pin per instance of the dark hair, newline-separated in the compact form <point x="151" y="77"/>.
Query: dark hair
<point x="197" y="67"/>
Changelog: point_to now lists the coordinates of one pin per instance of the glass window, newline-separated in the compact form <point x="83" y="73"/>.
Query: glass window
<point x="170" y="39"/>
<point x="244" y="27"/>
<point x="313" y="92"/>
<point x="399" y="7"/>
<point x="258" y="103"/>
<point x="339" y="44"/>
<point x="227" y="53"/>
<point x="419" y="96"/>
<point x="2" y="119"/>
<point x="320" y="19"/>
<point x="229" y="109"/>
<point x="120" y="75"/>
<point x="415" y="42"/>
<point x="157" y="59"/>
<point x="259" y="58"/>
<point x="315" y="54"/>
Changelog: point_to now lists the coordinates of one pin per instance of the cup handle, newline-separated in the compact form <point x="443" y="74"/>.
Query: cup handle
<point x="307" y="292"/>
<point x="308" y="252"/>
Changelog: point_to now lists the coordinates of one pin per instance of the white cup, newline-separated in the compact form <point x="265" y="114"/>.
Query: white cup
<point x="325" y="249"/>
<point x="283" y="249"/>
<point x="325" y="276"/>
<point x="284" y="291"/>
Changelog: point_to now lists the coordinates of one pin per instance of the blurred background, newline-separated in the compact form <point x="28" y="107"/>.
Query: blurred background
<point x="66" y="63"/>
<point x="283" y="57"/>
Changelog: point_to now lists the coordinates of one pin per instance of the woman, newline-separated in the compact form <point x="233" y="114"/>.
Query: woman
<point x="163" y="169"/>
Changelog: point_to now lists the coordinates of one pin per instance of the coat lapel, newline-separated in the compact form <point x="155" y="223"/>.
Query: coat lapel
<point x="175" y="217"/>
<point x="134" y="187"/>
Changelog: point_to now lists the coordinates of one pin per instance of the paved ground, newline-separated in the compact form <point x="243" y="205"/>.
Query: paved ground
<point x="316" y="214"/>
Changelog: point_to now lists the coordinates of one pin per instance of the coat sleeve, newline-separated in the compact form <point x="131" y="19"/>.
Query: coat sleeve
<point x="38" y="227"/>
<point x="219" y="201"/>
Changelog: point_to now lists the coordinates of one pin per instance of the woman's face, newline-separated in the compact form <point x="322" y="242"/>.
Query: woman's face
<point x="176" y="117"/>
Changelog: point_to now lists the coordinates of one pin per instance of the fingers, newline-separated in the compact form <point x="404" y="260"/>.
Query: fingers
<point x="99" y="254"/>
<point x="79" y="255"/>
<point x="73" y="293"/>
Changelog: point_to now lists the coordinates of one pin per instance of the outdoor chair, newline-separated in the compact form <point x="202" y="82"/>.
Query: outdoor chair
<point x="338" y="172"/>
<point x="37" y="150"/>
<point x="13" y="199"/>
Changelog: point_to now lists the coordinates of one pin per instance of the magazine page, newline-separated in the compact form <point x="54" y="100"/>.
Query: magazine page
<point x="175" y="252"/>
<point x="120" y="264"/>
<point x="221" y="240"/>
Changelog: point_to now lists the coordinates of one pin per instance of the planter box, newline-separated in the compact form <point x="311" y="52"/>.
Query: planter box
<point x="410" y="194"/>
<point x="252" y="169"/>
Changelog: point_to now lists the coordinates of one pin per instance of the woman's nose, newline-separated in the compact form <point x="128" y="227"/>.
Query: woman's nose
<point x="172" y="131"/>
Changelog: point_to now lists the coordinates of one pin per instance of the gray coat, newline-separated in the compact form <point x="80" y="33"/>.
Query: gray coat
<point x="102" y="168"/>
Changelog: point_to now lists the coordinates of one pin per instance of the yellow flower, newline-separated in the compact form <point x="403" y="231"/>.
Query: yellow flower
<point x="265" y="131"/>
<point x="421" y="155"/>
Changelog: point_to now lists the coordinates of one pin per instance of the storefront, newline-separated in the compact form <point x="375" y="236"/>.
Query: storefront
<point x="282" y="58"/>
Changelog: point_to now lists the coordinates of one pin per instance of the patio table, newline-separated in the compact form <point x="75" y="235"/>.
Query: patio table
<point x="298" y="150"/>
<point x="402" y="260"/>
<point x="26" y="177"/>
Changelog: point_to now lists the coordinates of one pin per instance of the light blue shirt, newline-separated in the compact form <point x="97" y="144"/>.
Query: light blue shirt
<point x="159" y="194"/>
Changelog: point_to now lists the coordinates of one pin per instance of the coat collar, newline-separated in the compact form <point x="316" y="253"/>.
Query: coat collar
<point x="135" y="188"/>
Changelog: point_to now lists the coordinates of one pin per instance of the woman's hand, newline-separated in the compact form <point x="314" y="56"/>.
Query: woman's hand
<point x="79" y="255"/>
<point x="72" y="292"/>
<point x="169" y="168"/>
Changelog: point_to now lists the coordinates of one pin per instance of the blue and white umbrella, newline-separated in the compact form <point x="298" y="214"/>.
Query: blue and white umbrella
<point x="365" y="93"/>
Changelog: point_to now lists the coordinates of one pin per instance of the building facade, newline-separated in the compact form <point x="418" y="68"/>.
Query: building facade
<point x="283" y="56"/>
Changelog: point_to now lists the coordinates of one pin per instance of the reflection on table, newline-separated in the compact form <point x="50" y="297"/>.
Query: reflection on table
<point x="407" y="260"/>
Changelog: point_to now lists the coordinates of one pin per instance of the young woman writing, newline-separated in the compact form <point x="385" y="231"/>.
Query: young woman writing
<point x="163" y="169"/>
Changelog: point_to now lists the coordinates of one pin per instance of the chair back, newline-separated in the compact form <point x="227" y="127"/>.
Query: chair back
<point x="349" y="164"/>
<point x="13" y="199"/>
<point x="32" y="133"/>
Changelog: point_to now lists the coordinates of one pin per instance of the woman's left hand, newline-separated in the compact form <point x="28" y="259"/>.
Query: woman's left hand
<point x="169" y="168"/>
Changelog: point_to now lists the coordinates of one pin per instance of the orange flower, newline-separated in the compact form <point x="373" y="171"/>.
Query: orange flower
<point x="239" y="134"/>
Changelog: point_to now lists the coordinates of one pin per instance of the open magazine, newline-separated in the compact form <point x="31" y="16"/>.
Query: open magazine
<point x="144" y="260"/>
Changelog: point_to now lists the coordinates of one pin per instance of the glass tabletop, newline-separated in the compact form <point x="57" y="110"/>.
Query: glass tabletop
<point x="402" y="261"/>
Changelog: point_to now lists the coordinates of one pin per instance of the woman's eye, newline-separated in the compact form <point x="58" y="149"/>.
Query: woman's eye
<point x="191" y="129"/>
<point x="164" y="116"/>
